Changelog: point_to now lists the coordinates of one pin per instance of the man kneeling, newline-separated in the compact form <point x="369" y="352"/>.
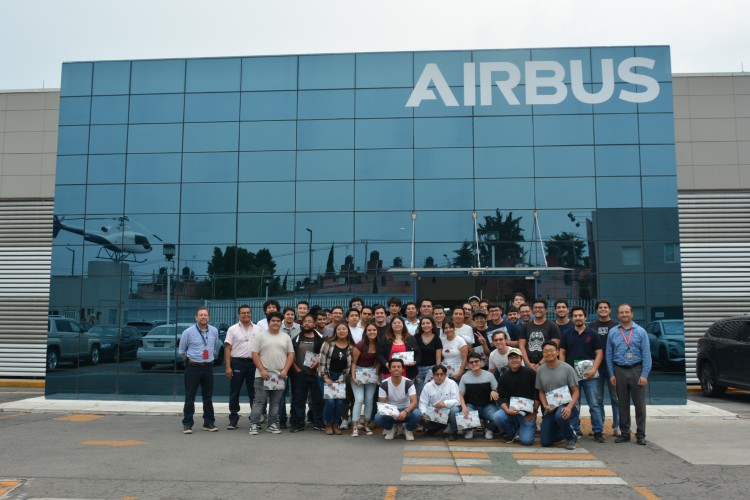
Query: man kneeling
<point x="519" y="400"/>
<point x="440" y="393"/>
<point x="557" y="383"/>
<point x="400" y="392"/>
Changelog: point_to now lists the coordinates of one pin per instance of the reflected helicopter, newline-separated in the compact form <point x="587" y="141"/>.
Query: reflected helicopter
<point x="119" y="242"/>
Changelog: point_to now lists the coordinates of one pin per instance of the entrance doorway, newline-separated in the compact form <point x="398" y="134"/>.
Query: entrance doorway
<point x="454" y="290"/>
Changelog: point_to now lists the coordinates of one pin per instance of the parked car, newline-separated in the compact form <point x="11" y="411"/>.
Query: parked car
<point x="723" y="354"/>
<point x="161" y="346"/>
<point x="68" y="342"/>
<point x="117" y="342"/>
<point x="145" y="326"/>
<point x="667" y="341"/>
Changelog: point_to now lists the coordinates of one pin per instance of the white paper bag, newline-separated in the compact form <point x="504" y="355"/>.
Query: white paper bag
<point x="388" y="410"/>
<point x="558" y="397"/>
<point x="310" y="358"/>
<point x="582" y="366"/>
<point x="366" y="375"/>
<point x="338" y="391"/>
<point x="523" y="405"/>
<point x="452" y="366"/>
<point x="439" y="415"/>
<point x="274" y="382"/>
<point x="463" y="422"/>
<point x="407" y="357"/>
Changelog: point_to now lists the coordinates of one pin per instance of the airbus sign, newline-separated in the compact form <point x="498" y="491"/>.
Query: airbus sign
<point x="544" y="83"/>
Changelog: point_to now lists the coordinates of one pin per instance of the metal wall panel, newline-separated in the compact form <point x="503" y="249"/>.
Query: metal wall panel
<point x="25" y="252"/>
<point x="715" y="255"/>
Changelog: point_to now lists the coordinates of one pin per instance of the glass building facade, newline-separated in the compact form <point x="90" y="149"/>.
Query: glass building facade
<point x="321" y="177"/>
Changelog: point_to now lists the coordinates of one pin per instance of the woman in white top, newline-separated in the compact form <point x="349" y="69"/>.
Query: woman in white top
<point x="454" y="352"/>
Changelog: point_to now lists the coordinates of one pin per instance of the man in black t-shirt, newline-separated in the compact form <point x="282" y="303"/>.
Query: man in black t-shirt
<point x="535" y="333"/>
<point x="518" y="382"/>
<point x="602" y="325"/>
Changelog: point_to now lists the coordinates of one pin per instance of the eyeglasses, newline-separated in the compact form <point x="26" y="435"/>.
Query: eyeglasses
<point x="438" y="374"/>
<point x="539" y="308"/>
<point x="474" y="361"/>
<point x="549" y="351"/>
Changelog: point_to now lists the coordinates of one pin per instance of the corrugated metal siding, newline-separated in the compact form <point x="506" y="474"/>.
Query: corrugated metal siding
<point x="25" y="252"/>
<point x="715" y="256"/>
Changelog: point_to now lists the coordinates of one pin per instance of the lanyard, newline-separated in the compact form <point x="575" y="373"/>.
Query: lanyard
<point x="630" y="338"/>
<point x="204" y="339"/>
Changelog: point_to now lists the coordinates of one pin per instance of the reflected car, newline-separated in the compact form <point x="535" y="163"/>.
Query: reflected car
<point x="68" y="342"/>
<point x="723" y="354"/>
<point x="667" y="341"/>
<point x="161" y="346"/>
<point x="145" y="326"/>
<point x="117" y="342"/>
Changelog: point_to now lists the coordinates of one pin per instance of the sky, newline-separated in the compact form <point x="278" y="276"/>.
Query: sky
<point x="37" y="36"/>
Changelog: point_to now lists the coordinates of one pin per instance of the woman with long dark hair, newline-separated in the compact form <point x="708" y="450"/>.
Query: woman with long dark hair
<point x="334" y="365"/>
<point x="397" y="340"/>
<point x="364" y="358"/>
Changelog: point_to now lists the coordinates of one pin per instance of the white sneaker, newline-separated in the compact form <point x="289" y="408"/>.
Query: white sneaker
<point x="253" y="430"/>
<point x="390" y="433"/>
<point x="469" y="434"/>
<point x="368" y="431"/>
<point x="488" y="434"/>
<point x="355" y="432"/>
<point x="273" y="429"/>
<point x="409" y="435"/>
<point x="344" y="424"/>
<point x="617" y="432"/>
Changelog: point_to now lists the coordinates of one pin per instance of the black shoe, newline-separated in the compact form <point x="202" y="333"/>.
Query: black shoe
<point x="579" y="435"/>
<point x="319" y="427"/>
<point x="299" y="428"/>
<point x="599" y="437"/>
<point x="231" y="426"/>
<point x="452" y="436"/>
<point x="625" y="438"/>
<point x="210" y="428"/>
<point x="431" y="432"/>
<point x="186" y="429"/>
<point x="641" y="441"/>
<point x="282" y="425"/>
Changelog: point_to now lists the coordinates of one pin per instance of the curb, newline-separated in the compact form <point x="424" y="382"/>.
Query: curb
<point x="37" y="384"/>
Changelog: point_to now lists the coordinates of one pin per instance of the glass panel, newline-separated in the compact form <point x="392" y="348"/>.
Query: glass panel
<point x="383" y="164"/>
<point x="656" y="128"/>
<point x="513" y="194"/>
<point x="213" y="75"/>
<point x="614" y="192"/>
<point x="610" y="258"/>
<point x="442" y="132"/>
<point x="109" y="110"/>
<point x="385" y="226"/>
<point x="564" y="56"/>
<point x="615" y="104"/>
<point x="69" y="199"/>
<point x="72" y="140"/>
<point x="370" y="195"/>
<point x="74" y="110"/>
<point x="269" y="73"/>
<point x="267" y="197"/>
<point x="661" y="224"/>
<point x="436" y="107"/>
<point x="154" y="168"/>
<point x="209" y="197"/>
<point x="658" y="160"/>
<point x="155" y="138"/>
<point x="76" y="79"/>
<point x="325" y="134"/>
<point x="571" y="129"/>
<point x="326" y="104"/>
<point x="327" y="227"/>
<point x="70" y="170"/>
<point x="104" y="199"/>
<point x="449" y="194"/>
<point x="503" y="131"/>
<point x="209" y="167"/>
<point x="156" y="108"/>
<point x="384" y="70"/>
<point x="565" y="160"/>
<point x="155" y="77"/>
<point x="382" y="103"/>
<point x="211" y="137"/>
<point x="570" y="105"/>
<point x="384" y="133"/>
<point x="106" y="169"/>
<point x="663" y="103"/>
<point x="326" y="72"/>
<point x="617" y="54"/>
<point x="504" y="162"/>
<point x="267" y="165"/>
<point x="616" y="129"/>
<point x="108" y="139"/>
<point x="153" y="198"/>
<point x="328" y="195"/>
<point x="269" y="106"/>
<point x="111" y="77"/>
<point x="213" y="229"/>
<point x="443" y="163"/>
<point x="617" y="160"/>
<point x="322" y="165"/>
<point x="619" y="224"/>
<point x="266" y="227"/>
<point x="261" y="136"/>
<point x="212" y="107"/>
<point x="659" y="191"/>
<point x="441" y="226"/>
<point x="662" y="66"/>
<point x="556" y="193"/>
<point x="451" y="65"/>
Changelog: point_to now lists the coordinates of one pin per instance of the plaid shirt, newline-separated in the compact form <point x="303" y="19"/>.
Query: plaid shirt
<point x="324" y="360"/>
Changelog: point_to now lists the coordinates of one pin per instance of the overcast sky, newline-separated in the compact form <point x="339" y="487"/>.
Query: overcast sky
<point x="36" y="36"/>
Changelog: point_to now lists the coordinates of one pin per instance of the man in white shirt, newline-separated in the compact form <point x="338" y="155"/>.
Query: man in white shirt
<point x="400" y="392"/>
<point x="238" y="360"/>
<point x="462" y="330"/>
<point x="440" y="392"/>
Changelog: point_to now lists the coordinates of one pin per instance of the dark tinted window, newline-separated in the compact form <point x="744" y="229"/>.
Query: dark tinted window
<point x="728" y="330"/>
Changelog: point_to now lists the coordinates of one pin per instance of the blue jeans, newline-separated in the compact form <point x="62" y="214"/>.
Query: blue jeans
<point x="511" y="424"/>
<point x="424" y="372"/>
<point x="556" y="428"/>
<point x="411" y="420"/>
<point x="488" y="413"/>
<point x="282" y="402"/>
<point x="614" y="400"/>
<point x="588" y="388"/>
<point x="332" y="408"/>
<point x="363" y="395"/>
<point x="452" y="428"/>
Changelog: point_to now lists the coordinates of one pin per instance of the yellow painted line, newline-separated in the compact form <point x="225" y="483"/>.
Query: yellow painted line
<point x="129" y="498"/>
<point x="80" y="418"/>
<point x="472" y="471"/>
<point x="571" y="472"/>
<point x="390" y="493"/>
<point x="115" y="444"/>
<point x="553" y="456"/>
<point x="430" y="454"/>
<point x="430" y="468"/>
<point x="22" y="383"/>
<point x="7" y="486"/>
<point x="470" y="454"/>
<point x="11" y="415"/>
<point x="646" y="493"/>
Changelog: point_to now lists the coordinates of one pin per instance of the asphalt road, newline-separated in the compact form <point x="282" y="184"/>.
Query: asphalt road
<point x="119" y="456"/>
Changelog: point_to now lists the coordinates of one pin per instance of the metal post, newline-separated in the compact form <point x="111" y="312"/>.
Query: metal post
<point x="309" y="263"/>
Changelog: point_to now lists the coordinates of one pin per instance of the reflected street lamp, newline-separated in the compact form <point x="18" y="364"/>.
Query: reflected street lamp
<point x="168" y="249"/>
<point x="72" y="261"/>
<point x="309" y="263"/>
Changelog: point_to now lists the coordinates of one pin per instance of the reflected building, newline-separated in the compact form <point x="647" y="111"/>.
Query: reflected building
<point x="320" y="177"/>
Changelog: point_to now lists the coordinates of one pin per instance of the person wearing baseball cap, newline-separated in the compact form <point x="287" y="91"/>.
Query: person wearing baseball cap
<point x="519" y="400"/>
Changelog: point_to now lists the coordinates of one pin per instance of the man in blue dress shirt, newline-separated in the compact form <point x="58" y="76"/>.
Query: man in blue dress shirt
<point x="197" y="346"/>
<point x="629" y="363"/>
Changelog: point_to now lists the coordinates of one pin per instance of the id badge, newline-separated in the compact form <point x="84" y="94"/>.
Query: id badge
<point x="629" y="355"/>
<point x="205" y="353"/>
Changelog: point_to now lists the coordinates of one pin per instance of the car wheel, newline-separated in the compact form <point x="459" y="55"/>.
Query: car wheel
<point x="52" y="359"/>
<point x="94" y="355"/>
<point x="708" y="382"/>
<point x="146" y="366"/>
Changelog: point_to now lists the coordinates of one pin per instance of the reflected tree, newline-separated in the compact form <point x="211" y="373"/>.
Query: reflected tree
<point x="254" y="272"/>
<point x="500" y="236"/>
<point x="566" y="250"/>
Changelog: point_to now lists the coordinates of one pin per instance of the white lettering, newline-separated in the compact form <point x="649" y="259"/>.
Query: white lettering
<point x="534" y="82"/>
<point x="506" y="86"/>
<point x="470" y="83"/>
<point x="431" y="75"/>
<point x="627" y="75"/>
<point x="608" y="82"/>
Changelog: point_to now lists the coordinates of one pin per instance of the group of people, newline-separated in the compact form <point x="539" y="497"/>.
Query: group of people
<point x="371" y="366"/>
